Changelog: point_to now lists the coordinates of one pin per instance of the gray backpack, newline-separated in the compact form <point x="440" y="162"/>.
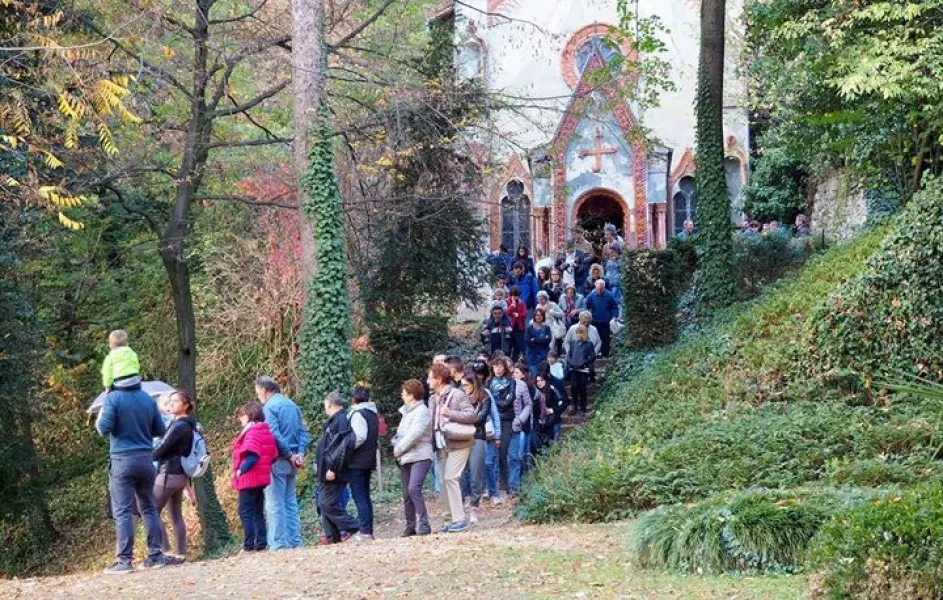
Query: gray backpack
<point x="197" y="462"/>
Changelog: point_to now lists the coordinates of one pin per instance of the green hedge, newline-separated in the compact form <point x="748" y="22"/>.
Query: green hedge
<point x="889" y="548"/>
<point x="650" y="297"/>
<point x="891" y="316"/>
<point x="750" y="531"/>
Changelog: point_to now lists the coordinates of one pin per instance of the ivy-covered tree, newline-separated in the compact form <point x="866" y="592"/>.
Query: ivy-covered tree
<point x="717" y="287"/>
<point x="324" y="340"/>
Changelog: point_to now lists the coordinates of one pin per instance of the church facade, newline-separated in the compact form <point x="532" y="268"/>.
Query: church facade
<point x="566" y="151"/>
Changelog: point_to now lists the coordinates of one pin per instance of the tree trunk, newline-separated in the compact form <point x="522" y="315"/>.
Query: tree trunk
<point x="307" y="78"/>
<point x="715" y="230"/>
<point x="171" y="253"/>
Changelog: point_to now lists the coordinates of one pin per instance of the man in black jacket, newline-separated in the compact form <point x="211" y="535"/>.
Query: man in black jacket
<point x="334" y="451"/>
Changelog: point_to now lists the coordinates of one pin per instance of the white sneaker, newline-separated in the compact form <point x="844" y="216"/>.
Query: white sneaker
<point x="497" y="500"/>
<point x="473" y="516"/>
<point x="363" y="537"/>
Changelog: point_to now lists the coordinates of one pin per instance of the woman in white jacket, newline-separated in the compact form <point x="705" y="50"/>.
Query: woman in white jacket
<point x="412" y="447"/>
<point x="555" y="319"/>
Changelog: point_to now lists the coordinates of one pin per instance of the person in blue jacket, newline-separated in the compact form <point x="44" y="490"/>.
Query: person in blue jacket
<point x="602" y="304"/>
<point x="538" y="338"/>
<point x="526" y="282"/>
<point x="500" y="262"/>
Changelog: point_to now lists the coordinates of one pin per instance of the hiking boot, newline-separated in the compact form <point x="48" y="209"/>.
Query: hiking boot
<point x="408" y="532"/>
<point x="119" y="568"/>
<point x="424" y="530"/>
<point x="473" y="516"/>
<point x="457" y="527"/>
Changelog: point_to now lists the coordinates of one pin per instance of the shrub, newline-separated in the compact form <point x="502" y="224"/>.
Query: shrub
<point x="650" y="298"/>
<point x="762" y="260"/>
<point x="753" y="530"/>
<point x="889" y="548"/>
<point x="891" y="316"/>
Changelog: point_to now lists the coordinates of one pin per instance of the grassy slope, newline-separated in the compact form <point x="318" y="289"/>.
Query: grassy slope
<point x="714" y="386"/>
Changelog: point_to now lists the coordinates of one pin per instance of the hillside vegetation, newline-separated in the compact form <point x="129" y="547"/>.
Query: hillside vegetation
<point x="777" y="393"/>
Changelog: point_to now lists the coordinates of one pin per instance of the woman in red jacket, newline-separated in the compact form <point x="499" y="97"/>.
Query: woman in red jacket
<point x="252" y="455"/>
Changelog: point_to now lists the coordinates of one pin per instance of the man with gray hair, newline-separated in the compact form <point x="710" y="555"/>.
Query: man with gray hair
<point x="333" y="460"/>
<point x="586" y="320"/>
<point x="281" y="502"/>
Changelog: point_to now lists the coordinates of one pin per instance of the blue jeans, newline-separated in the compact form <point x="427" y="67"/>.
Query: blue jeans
<point x="491" y="469"/>
<point x="281" y="507"/>
<point x="252" y="515"/>
<point x="131" y="485"/>
<point x="517" y="454"/>
<point x="360" y="490"/>
<point x="436" y="484"/>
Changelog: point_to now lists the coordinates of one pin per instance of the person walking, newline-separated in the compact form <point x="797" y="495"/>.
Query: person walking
<point x="131" y="420"/>
<point x="520" y="427"/>
<point x="412" y="447"/>
<point x="517" y="313"/>
<point x="502" y="388"/>
<point x="451" y="410"/>
<point x="253" y="452"/>
<point x="581" y="358"/>
<point x="332" y="458"/>
<point x="281" y="502"/>
<point x="486" y="419"/>
<point x="363" y="462"/>
<point x="538" y="339"/>
<point x="603" y="306"/>
<point x="171" y="479"/>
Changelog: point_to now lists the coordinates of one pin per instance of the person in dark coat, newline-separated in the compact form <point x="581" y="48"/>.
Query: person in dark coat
<point x="523" y="256"/>
<point x="365" y="423"/>
<point x="171" y="478"/>
<point x="603" y="306"/>
<point x="333" y="457"/>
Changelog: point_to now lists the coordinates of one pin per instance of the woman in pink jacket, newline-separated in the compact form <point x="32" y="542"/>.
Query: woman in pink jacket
<point x="252" y="455"/>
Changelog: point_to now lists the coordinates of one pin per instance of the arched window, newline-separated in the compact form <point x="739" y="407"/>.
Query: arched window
<point x="515" y="216"/>
<point x="685" y="204"/>
<point x="600" y="43"/>
<point x="470" y="60"/>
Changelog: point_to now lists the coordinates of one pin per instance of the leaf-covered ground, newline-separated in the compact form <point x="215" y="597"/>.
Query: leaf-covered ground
<point x="499" y="559"/>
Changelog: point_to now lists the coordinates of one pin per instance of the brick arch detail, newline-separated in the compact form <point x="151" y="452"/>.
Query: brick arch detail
<point x="608" y="193"/>
<point x="686" y="168"/>
<point x="575" y="112"/>
<point x="568" y="56"/>
<point x="732" y="150"/>
<point x="472" y="37"/>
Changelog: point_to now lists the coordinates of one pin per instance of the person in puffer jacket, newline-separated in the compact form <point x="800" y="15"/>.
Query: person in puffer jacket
<point x="253" y="453"/>
<point x="412" y="447"/>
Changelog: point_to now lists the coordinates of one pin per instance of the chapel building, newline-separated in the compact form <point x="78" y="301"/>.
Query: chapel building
<point x="567" y="150"/>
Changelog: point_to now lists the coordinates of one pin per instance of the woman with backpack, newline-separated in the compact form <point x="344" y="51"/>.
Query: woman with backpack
<point x="253" y="453"/>
<point x="171" y="479"/>
<point x="487" y="428"/>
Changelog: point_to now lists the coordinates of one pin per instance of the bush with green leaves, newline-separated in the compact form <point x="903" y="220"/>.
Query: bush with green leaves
<point x="742" y="531"/>
<point x="759" y="261"/>
<point x="777" y="187"/>
<point x="890" y="317"/>
<point x="650" y="297"/>
<point x="888" y="548"/>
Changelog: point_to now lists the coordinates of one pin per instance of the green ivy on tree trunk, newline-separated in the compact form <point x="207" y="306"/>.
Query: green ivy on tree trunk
<point x="324" y="339"/>
<point x="717" y="286"/>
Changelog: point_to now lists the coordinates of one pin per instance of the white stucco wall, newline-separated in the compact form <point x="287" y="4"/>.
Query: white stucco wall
<point x="523" y="62"/>
<point x="617" y="169"/>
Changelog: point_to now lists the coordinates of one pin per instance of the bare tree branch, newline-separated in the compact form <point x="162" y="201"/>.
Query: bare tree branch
<point x="249" y="201"/>
<point x="245" y="106"/>
<point x="360" y="28"/>
<point x="245" y="143"/>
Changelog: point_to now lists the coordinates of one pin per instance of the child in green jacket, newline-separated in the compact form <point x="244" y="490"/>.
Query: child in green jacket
<point x="121" y="369"/>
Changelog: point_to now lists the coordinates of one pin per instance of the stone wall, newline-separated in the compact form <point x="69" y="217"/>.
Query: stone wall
<point x="839" y="206"/>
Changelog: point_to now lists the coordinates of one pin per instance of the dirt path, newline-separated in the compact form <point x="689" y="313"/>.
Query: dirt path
<point x="515" y="561"/>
